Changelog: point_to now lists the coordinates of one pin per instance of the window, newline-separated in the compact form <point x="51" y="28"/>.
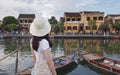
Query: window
<point x="68" y="19"/>
<point x="21" y="21"/>
<point x="74" y="27"/>
<point x="78" y="19"/>
<point x="68" y="28"/>
<point x="87" y="27"/>
<point x="25" y="21"/>
<point x="30" y="21"/>
<point x="95" y="18"/>
<point x="88" y="18"/>
<point x="101" y="18"/>
<point x="73" y="19"/>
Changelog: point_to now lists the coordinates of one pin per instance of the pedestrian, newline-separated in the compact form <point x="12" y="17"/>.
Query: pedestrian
<point x="41" y="47"/>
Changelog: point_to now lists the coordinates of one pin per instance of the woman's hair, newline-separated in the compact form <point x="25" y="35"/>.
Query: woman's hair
<point x="35" y="41"/>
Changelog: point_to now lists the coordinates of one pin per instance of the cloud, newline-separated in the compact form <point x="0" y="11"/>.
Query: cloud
<point x="48" y="8"/>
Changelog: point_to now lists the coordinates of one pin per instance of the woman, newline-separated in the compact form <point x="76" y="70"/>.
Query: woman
<point x="40" y="47"/>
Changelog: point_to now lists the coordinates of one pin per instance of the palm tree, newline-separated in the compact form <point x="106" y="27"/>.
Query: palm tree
<point x="92" y="24"/>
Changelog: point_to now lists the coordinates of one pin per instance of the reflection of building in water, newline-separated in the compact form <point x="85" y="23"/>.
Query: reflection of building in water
<point x="71" y="45"/>
<point x="92" y="46"/>
<point x="58" y="50"/>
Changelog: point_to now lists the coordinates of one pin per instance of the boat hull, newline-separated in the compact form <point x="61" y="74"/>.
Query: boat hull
<point x="108" y="68"/>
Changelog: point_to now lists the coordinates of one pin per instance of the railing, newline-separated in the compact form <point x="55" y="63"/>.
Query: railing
<point x="16" y="51"/>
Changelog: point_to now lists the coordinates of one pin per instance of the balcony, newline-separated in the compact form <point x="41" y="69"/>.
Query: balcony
<point x="74" y="22"/>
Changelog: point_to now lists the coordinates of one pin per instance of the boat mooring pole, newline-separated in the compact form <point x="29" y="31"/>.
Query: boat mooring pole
<point x="16" y="66"/>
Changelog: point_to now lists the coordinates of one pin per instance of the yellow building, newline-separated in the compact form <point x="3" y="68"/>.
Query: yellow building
<point x="72" y="22"/>
<point x="114" y="18"/>
<point x="75" y="22"/>
<point x="87" y="16"/>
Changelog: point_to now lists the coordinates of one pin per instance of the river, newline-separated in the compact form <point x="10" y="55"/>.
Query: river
<point x="64" y="46"/>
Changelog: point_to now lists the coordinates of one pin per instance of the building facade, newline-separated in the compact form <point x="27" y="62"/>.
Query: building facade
<point x="92" y="15"/>
<point x="72" y="22"/>
<point x="114" y="18"/>
<point x="75" y="22"/>
<point x="25" y="20"/>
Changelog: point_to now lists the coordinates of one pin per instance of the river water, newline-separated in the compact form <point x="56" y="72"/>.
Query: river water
<point x="64" y="46"/>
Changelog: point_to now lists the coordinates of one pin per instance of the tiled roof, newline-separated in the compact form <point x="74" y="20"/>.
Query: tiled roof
<point x="72" y="14"/>
<point x="87" y="12"/>
<point x="26" y="16"/>
<point x="113" y="15"/>
<point x="62" y="19"/>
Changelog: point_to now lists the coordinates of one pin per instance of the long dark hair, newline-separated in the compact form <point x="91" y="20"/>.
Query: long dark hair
<point x="36" y="39"/>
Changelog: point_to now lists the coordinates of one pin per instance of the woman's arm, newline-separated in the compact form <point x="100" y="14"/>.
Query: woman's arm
<point x="50" y="61"/>
<point x="33" y="55"/>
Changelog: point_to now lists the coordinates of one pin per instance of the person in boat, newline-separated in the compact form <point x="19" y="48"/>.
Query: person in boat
<point x="41" y="47"/>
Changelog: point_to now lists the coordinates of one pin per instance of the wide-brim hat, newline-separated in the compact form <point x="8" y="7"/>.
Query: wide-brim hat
<point x="40" y="27"/>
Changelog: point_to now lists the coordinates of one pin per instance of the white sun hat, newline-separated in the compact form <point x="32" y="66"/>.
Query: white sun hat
<point x="40" y="27"/>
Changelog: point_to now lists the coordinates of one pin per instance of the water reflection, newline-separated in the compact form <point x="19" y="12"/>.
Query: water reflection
<point x="105" y="47"/>
<point x="93" y="68"/>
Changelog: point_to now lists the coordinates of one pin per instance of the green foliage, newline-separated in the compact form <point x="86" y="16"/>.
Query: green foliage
<point x="110" y="21"/>
<point x="56" y="26"/>
<point x="115" y="47"/>
<point x="104" y="27"/>
<point x="61" y="26"/>
<point x="53" y="20"/>
<point x="92" y="23"/>
<point x="9" y="20"/>
<point x="56" y="29"/>
<point x="9" y="23"/>
<point x="73" y="45"/>
<point x="94" y="27"/>
<point x="117" y="24"/>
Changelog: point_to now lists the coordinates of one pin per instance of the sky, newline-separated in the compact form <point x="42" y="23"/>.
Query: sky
<point x="48" y="8"/>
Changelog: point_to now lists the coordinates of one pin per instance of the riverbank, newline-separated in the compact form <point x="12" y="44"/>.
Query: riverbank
<point x="87" y="36"/>
<point x="66" y="36"/>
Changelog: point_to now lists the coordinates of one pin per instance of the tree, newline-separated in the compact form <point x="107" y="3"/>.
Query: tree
<point x="104" y="27"/>
<point x="117" y="24"/>
<point x="61" y="25"/>
<point x="56" y="29"/>
<point x="111" y="23"/>
<point x="9" y="23"/>
<point x="92" y="23"/>
<point x="53" y="22"/>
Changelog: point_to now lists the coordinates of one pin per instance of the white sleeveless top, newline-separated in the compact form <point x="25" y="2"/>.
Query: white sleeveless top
<point x="43" y="45"/>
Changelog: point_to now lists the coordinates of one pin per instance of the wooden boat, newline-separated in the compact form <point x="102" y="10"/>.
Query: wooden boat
<point x="62" y="64"/>
<point x="104" y="63"/>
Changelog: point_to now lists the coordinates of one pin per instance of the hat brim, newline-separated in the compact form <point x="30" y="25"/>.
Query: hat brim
<point x="40" y="32"/>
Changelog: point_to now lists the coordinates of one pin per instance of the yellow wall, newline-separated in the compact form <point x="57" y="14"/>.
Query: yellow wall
<point x="91" y="15"/>
<point x="83" y="18"/>
<point x="71" y="25"/>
